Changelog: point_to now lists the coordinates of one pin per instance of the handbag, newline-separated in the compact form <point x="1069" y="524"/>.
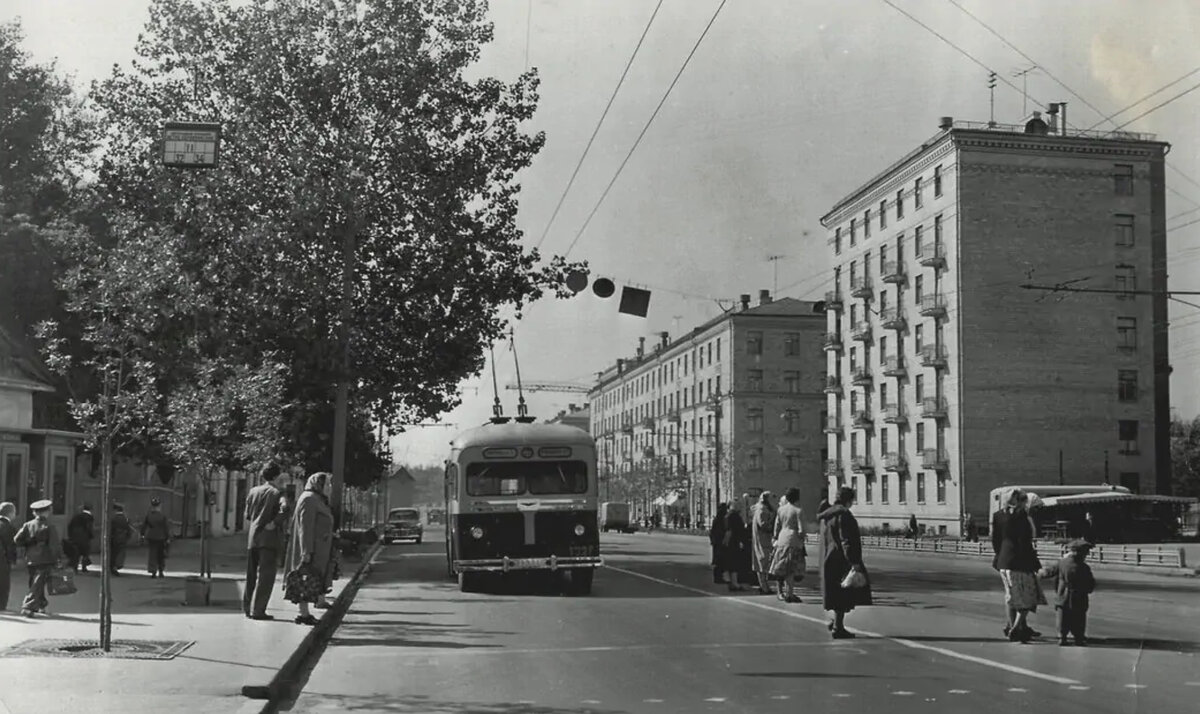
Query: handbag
<point x="303" y="584"/>
<point x="61" y="582"/>
<point x="854" y="579"/>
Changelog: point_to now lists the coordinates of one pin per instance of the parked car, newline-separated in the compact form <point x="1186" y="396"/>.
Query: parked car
<point x="615" y="517"/>
<point x="403" y="524"/>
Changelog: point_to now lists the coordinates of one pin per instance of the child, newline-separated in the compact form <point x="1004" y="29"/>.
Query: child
<point x="1073" y="582"/>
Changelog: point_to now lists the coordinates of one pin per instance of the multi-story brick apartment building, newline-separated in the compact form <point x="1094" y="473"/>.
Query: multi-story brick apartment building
<point x="740" y="395"/>
<point x="947" y="378"/>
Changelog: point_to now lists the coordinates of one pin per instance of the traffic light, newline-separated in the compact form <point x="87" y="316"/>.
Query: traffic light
<point x="634" y="301"/>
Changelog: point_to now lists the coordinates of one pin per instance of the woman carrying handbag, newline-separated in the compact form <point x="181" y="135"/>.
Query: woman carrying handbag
<point x="310" y="554"/>
<point x="845" y="583"/>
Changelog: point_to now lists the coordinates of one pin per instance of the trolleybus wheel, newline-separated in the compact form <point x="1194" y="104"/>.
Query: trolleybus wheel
<point x="581" y="581"/>
<point x="469" y="582"/>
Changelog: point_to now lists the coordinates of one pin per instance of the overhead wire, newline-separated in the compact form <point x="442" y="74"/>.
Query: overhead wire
<point x="1163" y="88"/>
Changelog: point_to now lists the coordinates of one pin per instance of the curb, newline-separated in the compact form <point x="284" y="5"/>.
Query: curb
<point x="286" y="677"/>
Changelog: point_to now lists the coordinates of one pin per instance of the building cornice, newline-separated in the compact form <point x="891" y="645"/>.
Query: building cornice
<point x="1025" y="143"/>
<point x="885" y="182"/>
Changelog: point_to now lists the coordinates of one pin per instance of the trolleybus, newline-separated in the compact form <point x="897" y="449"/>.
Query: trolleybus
<point x="1117" y="514"/>
<point x="522" y="497"/>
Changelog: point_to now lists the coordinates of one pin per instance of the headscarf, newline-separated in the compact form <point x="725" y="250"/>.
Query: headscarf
<point x="317" y="482"/>
<point x="1011" y="499"/>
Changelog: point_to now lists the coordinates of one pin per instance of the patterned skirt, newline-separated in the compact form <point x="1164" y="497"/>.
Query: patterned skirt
<point x="788" y="561"/>
<point x="1022" y="591"/>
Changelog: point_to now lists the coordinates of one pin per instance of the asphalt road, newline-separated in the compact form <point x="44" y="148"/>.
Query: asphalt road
<point x="657" y="636"/>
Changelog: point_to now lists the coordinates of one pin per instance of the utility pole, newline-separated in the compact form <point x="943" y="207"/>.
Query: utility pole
<point x="715" y="408"/>
<point x="992" y="92"/>
<point x="1024" y="75"/>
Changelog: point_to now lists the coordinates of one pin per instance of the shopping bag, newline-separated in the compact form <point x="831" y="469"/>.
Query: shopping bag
<point x="62" y="582"/>
<point x="854" y="579"/>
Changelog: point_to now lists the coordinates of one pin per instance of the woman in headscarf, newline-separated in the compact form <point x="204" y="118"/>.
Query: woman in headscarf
<point x="1017" y="561"/>
<point x="841" y="553"/>
<point x="311" y="549"/>
<point x="737" y="545"/>
<point x="716" y="538"/>
<point x="763" y="519"/>
<point x="788" y="557"/>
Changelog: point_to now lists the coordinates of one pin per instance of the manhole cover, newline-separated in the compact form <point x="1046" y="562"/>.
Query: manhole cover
<point x="121" y="649"/>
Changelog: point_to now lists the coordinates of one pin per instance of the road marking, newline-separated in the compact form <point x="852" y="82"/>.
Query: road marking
<point x="1136" y="686"/>
<point x="1191" y="684"/>
<point x="781" y="696"/>
<point x="715" y="699"/>
<point x="439" y="651"/>
<point x="959" y="691"/>
<point x="903" y="693"/>
<point x="1017" y="689"/>
<point x="823" y="623"/>
<point x="653" y="701"/>
<point x="581" y="701"/>
<point x="842" y="695"/>
<point x="1079" y="687"/>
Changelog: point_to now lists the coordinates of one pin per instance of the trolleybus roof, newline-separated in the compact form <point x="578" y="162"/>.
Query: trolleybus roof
<point x="519" y="434"/>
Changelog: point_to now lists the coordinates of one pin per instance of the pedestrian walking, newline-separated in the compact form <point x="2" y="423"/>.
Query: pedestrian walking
<point x="266" y="517"/>
<point x="762" y="517"/>
<point x="845" y="583"/>
<point x="156" y="532"/>
<point x="716" y="538"/>
<point x="788" y="556"/>
<point x="737" y="546"/>
<point x="310" y="555"/>
<point x="913" y="528"/>
<point x="120" y="533"/>
<point x="970" y="534"/>
<point x="8" y="551"/>
<point x="1017" y="562"/>
<point x="81" y="529"/>
<point x="1073" y="585"/>
<point x="43" y="551"/>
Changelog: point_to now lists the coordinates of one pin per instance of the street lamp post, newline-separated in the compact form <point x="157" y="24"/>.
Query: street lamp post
<point x="715" y="407"/>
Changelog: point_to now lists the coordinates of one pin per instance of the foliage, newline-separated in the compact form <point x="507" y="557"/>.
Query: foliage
<point x="337" y="118"/>
<point x="1185" y="456"/>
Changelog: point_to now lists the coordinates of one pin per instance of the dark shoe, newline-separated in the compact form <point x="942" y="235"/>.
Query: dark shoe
<point x="1062" y="642"/>
<point x="843" y="635"/>
<point x="829" y="625"/>
<point x="1081" y="641"/>
<point x="1007" y="630"/>
<point x="305" y="620"/>
<point x="263" y="616"/>
<point x="1034" y="633"/>
<point x="792" y="598"/>
<point x="27" y="613"/>
<point x="322" y="605"/>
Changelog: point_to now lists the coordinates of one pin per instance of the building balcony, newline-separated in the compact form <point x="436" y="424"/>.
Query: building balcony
<point x="933" y="306"/>
<point x="862" y="418"/>
<point x="861" y="288"/>
<point x="833" y="342"/>
<point x="895" y="462"/>
<point x="862" y="464"/>
<point x="833" y="385"/>
<point x="833" y="425"/>
<point x="833" y="467"/>
<point x="861" y="331"/>
<point x="861" y="376"/>
<point x="833" y="301"/>
<point x="933" y="256"/>
<point x="934" y="408"/>
<point x="933" y="356"/>
<point x="894" y="414"/>
<point x="892" y="272"/>
<point x="893" y="319"/>
<point x="935" y="459"/>
<point x="895" y="367"/>
<point x="648" y="452"/>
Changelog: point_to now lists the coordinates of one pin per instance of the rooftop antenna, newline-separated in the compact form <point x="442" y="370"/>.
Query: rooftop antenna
<point x="1024" y="75"/>
<point x="522" y="411"/>
<point x="992" y="92"/>
<point x="774" y="259"/>
<point x="497" y="408"/>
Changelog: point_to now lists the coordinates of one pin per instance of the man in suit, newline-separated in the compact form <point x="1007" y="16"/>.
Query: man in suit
<point x="266" y="515"/>
<point x="8" y="551"/>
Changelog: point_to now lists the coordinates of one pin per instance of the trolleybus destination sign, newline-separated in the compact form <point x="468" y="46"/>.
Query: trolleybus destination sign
<point x="191" y="144"/>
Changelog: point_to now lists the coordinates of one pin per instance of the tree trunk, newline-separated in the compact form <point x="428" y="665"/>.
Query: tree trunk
<point x="204" y="517"/>
<point x="105" y="548"/>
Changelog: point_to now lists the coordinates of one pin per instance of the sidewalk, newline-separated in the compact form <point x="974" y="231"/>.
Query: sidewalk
<point x="229" y="650"/>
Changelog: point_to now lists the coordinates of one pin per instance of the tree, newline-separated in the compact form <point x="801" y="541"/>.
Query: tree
<point x="1185" y="456"/>
<point x="350" y="130"/>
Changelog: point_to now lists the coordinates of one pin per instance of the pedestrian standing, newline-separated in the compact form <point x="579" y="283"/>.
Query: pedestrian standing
<point x="310" y="555"/>
<point x="120" y="533"/>
<point x="156" y="531"/>
<point x="8" y="551"/>
<point x="266" y="516"/>
<point x="788" y="557"/>
<point x="1017" y="562"/>
<point x="1073" y="584"/>
<point x="80" y="532"/>
<point x="716" y="538"/>
<point x="913" y="528"/>
<point x="762" y="534"/>
<point x="737" y="545"/>
<point x="841" y="555"/>
<point x="43" y="551"/>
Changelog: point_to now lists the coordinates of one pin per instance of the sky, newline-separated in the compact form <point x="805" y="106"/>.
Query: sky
<point x="785" y="107"/>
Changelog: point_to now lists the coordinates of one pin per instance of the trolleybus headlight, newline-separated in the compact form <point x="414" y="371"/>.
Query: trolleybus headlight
<point x="476" y="532"/>
<point x="579" y="529"/>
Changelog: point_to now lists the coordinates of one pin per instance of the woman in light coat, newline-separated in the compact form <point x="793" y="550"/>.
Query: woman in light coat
<point x="788" y="558"/>
<point x="312" y="542"/>
<point x="763" y="520"/>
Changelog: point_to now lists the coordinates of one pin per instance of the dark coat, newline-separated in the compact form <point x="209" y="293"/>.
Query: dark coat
<point x="716" y="538"/>
<point x="841" y="548"/>
<point x="155" y="527"/>
<point x="266" y="517"/>
<point x="81" y="529"/>
<point x="736" y="551"/>
<point x="121" y="531"/>
<point x="8" y="548"/>
<point x="1073" y="583"/>
<point x="1012" y="543"/>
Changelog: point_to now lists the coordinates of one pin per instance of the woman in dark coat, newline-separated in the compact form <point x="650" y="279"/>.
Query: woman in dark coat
<point x="737" y="545"/>
<point x="716" y="538"/>
<point x="841" y="552"/>
<point x="1017" y="561"/>
<point x="312" y="545"/>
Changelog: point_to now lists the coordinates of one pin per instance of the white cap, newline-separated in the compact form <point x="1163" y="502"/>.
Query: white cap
<point x="42" y="504"/>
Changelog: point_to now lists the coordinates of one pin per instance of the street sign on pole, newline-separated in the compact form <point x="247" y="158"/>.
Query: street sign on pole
<point x="191" y="145"/>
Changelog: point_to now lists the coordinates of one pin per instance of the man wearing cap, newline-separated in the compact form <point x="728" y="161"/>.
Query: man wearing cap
<point x="156" y="531"/>
<point x="8" y="551"/>
<point x="43" y="550"/>
<point x="119" y="534"/>
<point x="266" y="515"/>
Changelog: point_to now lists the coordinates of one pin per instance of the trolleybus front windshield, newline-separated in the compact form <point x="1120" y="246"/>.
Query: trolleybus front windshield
<point x="515" y="478"/>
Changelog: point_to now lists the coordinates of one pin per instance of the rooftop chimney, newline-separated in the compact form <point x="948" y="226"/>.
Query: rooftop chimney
<point x="641" y="347"/>
<point x="666" y="338"/>
<point x="745" y="301"/>
<point x="946" y="123"/>
<point x="620" y="366"/>
<point x="1052" y="112"/>
<point x="764" y="297"/>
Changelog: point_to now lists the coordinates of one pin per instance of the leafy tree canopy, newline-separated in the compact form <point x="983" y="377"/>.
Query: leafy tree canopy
<point x="1185" y="456"/>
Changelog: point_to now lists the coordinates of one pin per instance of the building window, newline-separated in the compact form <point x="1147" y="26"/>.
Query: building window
<point x="918" y="247"/>
<point x="1127" y="385"/>
<point x="920" y="435"/>
<point x="791" y="381"/>
<point x="1127" y="433"/>
<point x="902" y="494"/>
<point x="791" y="421"/>
<point x="919" y="387"/>
<point x="1126" y="282"/>
<point x="883" y="441"/>
<point x="883" y="488"/>
<point x="1131" y="480"/>
<point x="917" y="202"/>
<point x="937" y="181"/>
<point x="754" y="419"/>
<point x="866" y="224"/>
<point x="1127" y="334"/>
<point x="883" y="399"/>
<point x="1124" y="231"/>
<point x="900" y="204"/>
<point x="937" y="232"/>
<point x="919" y="289"/>
<point x="791" y="344"/>
<point x="941" y="488"/>
<point x="718" y="352"/>
<point x="882" y="215"/>
<point x="1123" y="180"/>
<point x="882" y="259"/>
<point x="754" y="380"/>
<point x="870" y="488"/>
<point x="754" y="343"/>
<point x="853" y="359"/>
<point x="919" y="334"/>
<point x="708" y="356"/>
<point x="853" y="231"/>
<point x="920" y="487"/>
<point x="718" y="384"/>
<point x="791" y="459"/>
<point x="837" y="240"/>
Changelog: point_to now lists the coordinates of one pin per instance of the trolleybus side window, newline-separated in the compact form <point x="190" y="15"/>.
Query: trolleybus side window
<point x="534" y="477"/>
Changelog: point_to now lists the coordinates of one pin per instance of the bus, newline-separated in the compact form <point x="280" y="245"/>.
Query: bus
<point x="522" y="497"/>
<point x="1117" y="514"/>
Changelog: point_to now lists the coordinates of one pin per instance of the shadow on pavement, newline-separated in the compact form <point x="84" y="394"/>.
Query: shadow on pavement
<point x="1137" y="643"/>
<point x="404" y="633"/>
<point x="393" y="703"/>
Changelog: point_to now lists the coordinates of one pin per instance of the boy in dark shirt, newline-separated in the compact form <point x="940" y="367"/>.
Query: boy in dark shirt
<point x="1073" y="583"/>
